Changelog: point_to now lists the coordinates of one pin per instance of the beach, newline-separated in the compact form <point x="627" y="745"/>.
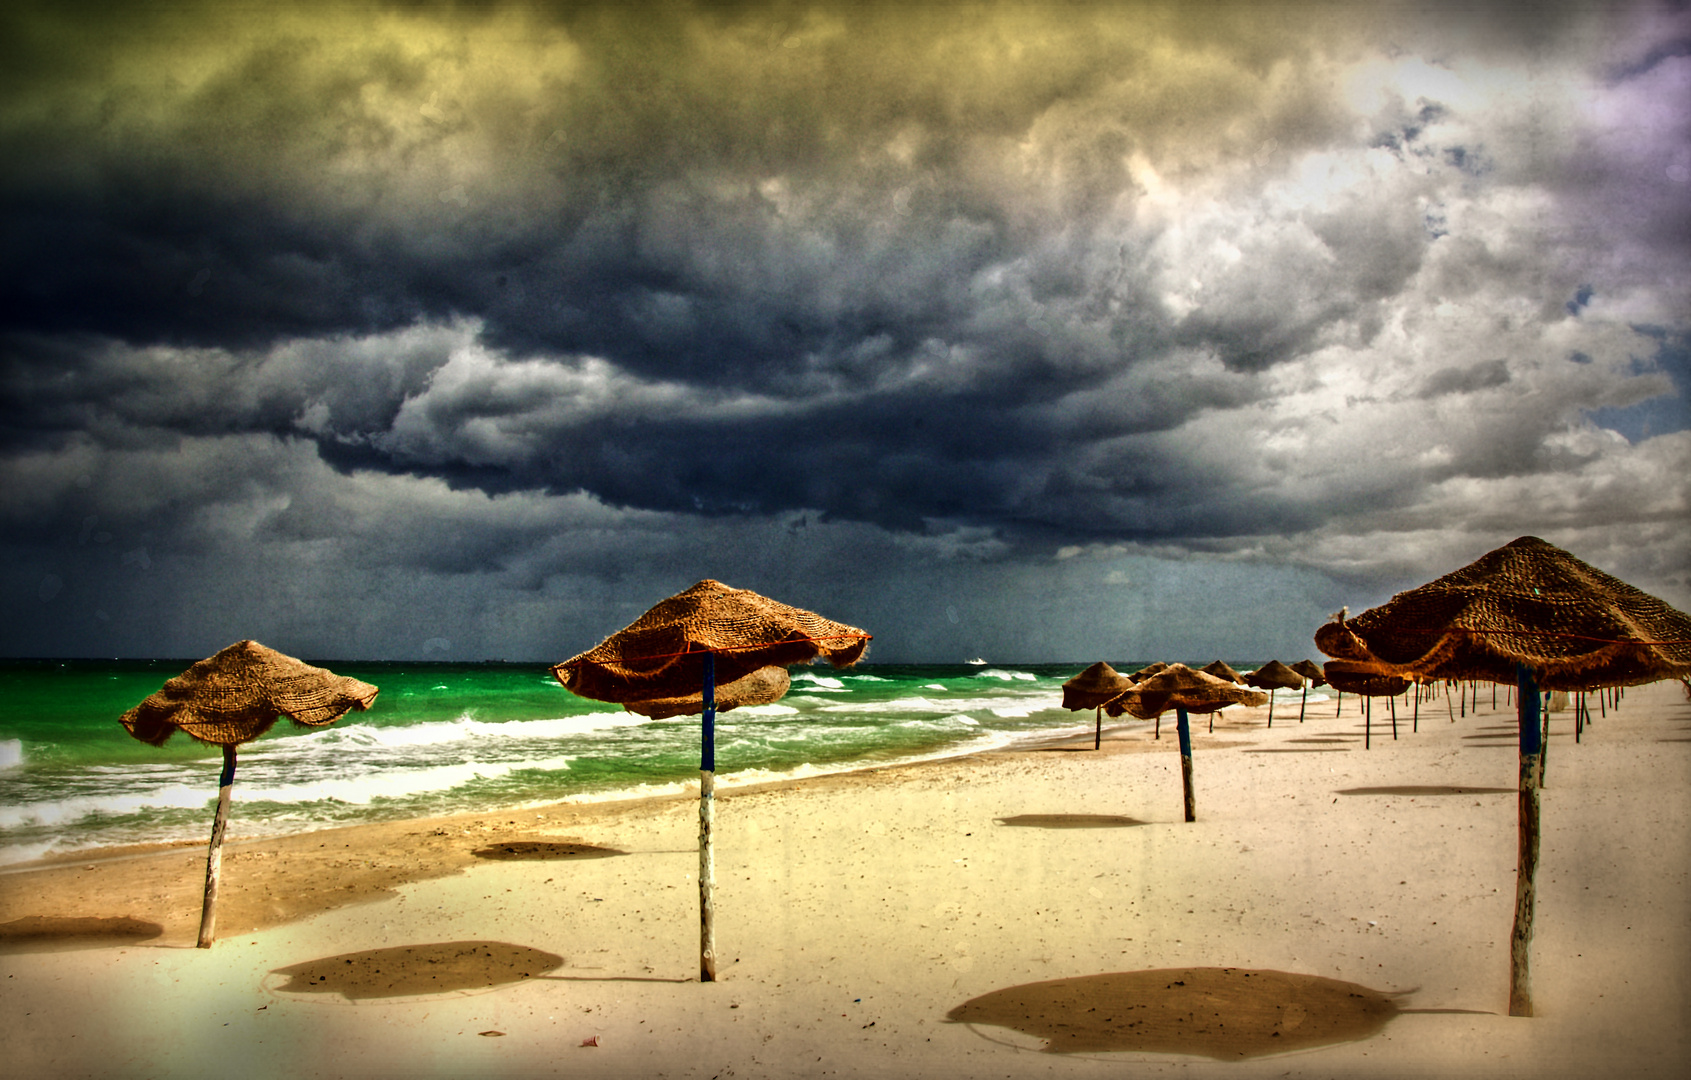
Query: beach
<point x="1332" y="912"/>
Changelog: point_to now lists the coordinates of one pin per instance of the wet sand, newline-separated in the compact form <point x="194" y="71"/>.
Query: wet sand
<point x="1334" y="911"/>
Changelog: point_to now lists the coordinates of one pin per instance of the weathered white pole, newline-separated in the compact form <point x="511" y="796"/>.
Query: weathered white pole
<point x="707" y="818"/>
<point x="1526" y="863"/>
<point x="214" y="856"/>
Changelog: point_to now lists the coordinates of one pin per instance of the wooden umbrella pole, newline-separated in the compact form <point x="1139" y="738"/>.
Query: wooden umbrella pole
<point x="1341" y="706"/>
<point x="1098" y="732"/>
<point x="1526" y="864"/>
<point x="1367" y="722"/>
<point x="1185" y="731"/>
<point x="1415" y="722"/>
<point x="214" y="855"/>
<point x="707" y="819"/>
<point x="1544" y="737"/>
<point x="1270" y="707"/>
<point x="1391" y="703"/>
<point x="1304" y="703"/>
<point x="1447" y="709"/>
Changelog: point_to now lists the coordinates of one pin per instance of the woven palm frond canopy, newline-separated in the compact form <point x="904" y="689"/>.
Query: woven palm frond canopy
<point x="1309" y="670"/>
<point x="1528" y="603"/>
<point x="764" y="686"/>
<point x="1180" y="687"/>
<point x="1093" y="687"/>
<point x="661" y="654"/>
<point x="1222" y="670"/>
<point x="1274" y="676"/>
<point x="236" y="695"/>
<point x="1349" y="677"/>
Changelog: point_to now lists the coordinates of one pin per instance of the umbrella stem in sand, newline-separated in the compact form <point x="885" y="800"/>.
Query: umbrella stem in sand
<point x="1098" y="731"/>
<point x="1271" y="706"/>
<point x="1526" y="865"/>
<point x="1185" y="731"/>
<point x="1304" y="702"/>
<point x="214" y="855"/>
<point x="707" y="819"/>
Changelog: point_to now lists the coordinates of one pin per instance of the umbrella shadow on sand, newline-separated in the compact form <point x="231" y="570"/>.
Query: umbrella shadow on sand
<point x="1070" y="821"/>
<point x="413" y="970"/>
<point x="543" y="851"/>
<point x="42" y="933"/>
<point x="1224" y="1013"/>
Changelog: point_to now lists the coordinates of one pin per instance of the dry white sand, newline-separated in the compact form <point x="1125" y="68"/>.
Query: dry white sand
<point x="856" y="914"/>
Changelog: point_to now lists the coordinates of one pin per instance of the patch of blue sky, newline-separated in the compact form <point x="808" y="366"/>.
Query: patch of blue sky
<point x="1663" y="413"/>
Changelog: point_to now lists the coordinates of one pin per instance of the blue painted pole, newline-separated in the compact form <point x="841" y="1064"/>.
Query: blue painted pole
<point x="1184" y="728"/>
<point x="1526" y="863"/>
<point x="707" y="757"/>
<point x="707" y="820"/>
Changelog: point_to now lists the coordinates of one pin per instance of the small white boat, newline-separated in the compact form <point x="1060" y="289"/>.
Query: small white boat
<point x="977" y="661"/>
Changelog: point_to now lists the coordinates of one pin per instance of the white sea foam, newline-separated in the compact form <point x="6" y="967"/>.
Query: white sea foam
<point x="763" y="710"/>
<point x="55" y="812"/>
<point x="866" y="678"/>
<point x="953" y="721"/>
<point x="11" y="753"/>
<point x="932" y="686"/>
<point x="16" y="853"/>
<point x="1007" y="676"/>
<point x="396" y="783"/>
<point x="819" y="682"/>
<point x="440" y="732"/>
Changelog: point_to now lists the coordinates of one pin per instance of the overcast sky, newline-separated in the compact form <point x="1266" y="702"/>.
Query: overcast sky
<point x="1038" y="332"/>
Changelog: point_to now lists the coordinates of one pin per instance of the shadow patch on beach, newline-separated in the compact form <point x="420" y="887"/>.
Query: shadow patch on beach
<point x="47" y="933"/>
<point x="1304" y="750"/>
<point x="518" y="850"/>
<point x="1221" y="1013"/>
<point x="410" y="970"/>
<point x="1425" y="789"/>
<point x="1321" y="740"/>
<point x="1070" y="821"/>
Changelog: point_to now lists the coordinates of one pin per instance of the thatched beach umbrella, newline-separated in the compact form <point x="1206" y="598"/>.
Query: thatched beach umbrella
<point x="1312" y="677"/>
<point x="1090" y="689"/>
<point x="1221" y="670"/>
<point x="232" y="698"/>
<point x="1531" y="614"/>
<point x="1180" y="688"/>
<point x="1274" y="676"/>
<point x="673" y="657"/>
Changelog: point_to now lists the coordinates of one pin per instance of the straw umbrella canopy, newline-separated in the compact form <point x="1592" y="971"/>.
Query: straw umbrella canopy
<point x="1090" y="689"/>
<point x="671" y="659"/>
<point x="1312" y="677"/>
<point x="1273" y="676"/>
<point x="1532" y="614"/>
<point x="1184" y="690"/>
<point x="231" y="698"/>
<point x="1221" y="670"/>
<point x="1528" y="604"/>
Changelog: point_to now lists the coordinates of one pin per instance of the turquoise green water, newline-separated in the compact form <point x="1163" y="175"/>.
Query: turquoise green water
<point x="449" y="738"/>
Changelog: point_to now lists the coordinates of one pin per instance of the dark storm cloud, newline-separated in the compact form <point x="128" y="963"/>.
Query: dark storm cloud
<point x="516" y="297"/>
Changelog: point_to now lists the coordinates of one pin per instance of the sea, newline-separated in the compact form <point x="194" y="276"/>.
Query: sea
<point x="446" y="738"/>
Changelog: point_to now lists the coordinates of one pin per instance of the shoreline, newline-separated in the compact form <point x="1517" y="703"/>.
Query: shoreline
<point x="868" y="922"/>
